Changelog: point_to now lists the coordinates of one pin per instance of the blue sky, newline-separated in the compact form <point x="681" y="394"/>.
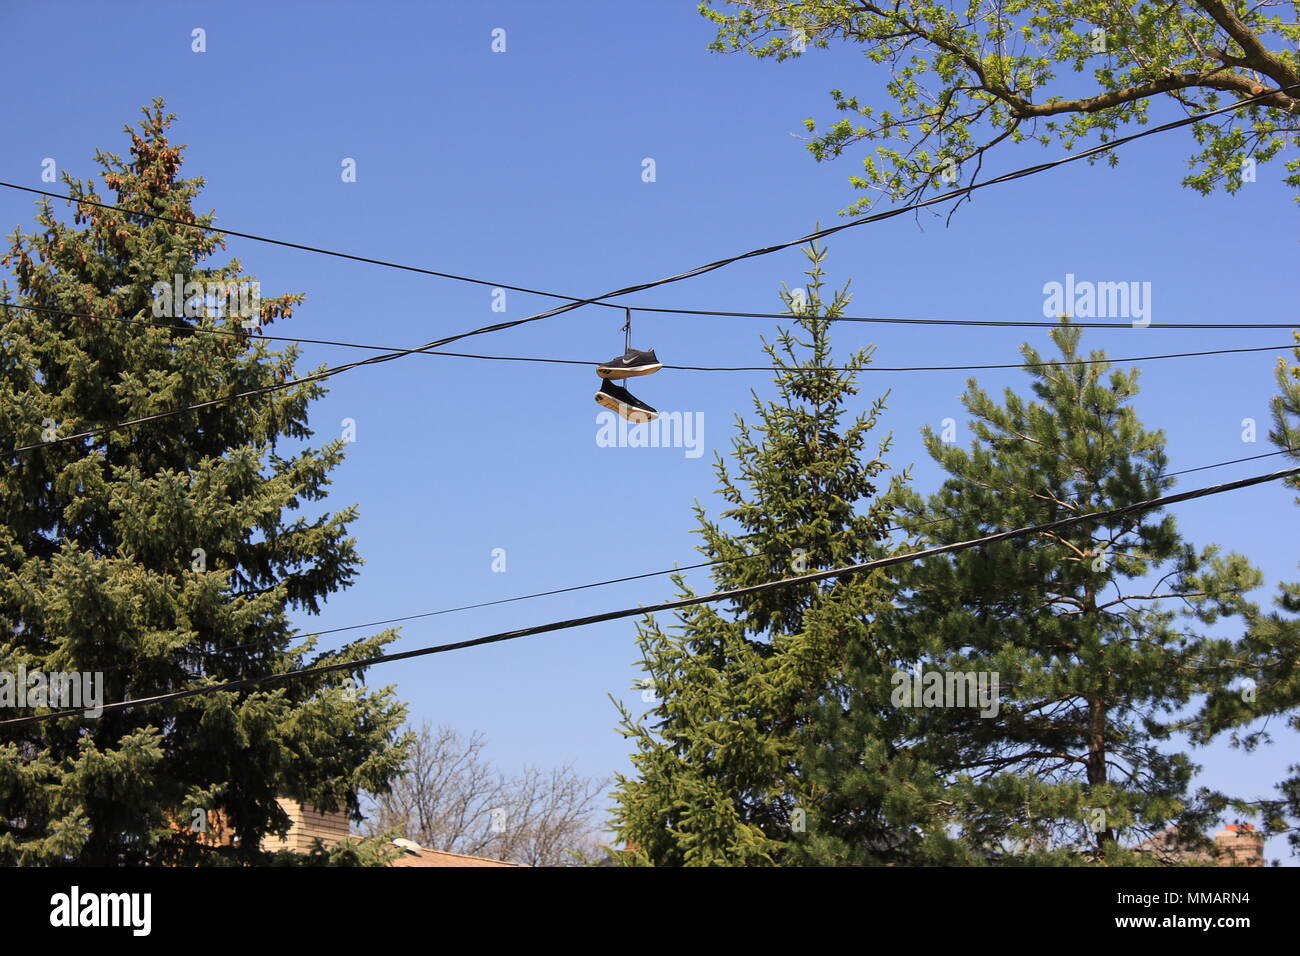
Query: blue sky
<point x="525" y="167"/>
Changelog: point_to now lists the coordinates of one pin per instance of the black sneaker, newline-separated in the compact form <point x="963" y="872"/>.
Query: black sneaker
<point x="617" y="399"/>
<point x="630" y="364"/>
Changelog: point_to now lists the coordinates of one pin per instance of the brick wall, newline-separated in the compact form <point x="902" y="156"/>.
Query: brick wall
<point x="306" y="827"/>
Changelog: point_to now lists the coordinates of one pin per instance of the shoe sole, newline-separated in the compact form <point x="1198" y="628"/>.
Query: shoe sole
<point x="612" y="373"/>
<point x="636" y="416"/>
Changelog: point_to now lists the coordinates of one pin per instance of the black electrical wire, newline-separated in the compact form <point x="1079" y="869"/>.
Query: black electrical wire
<point x="821" y="233"/>
<point x="686" y="368"/>
<point x="279" y="386"/>
<point x="205" y="330"/>
<point x="196" y="329"/>
<point x="650" y="574"/>
<point x="669" y="605"/>
<point x="886" y="368"/>
<point x="305" y="248"/>
<point x="482" y="604"/>
<point x="699" y="270"/>
<point x="684" y="567"/>
<point x="636" y="577"/>
<point x="994" y="323"/>
<point x="691" y="567"/>
<point x="968" y="368"/>
<point x="1008" y="324"/>
<point x="964" y="190"/>
<point x="1235" y="461"/>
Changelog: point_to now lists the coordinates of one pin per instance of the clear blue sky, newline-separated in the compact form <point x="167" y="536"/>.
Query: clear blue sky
<point x="525" y="167"/>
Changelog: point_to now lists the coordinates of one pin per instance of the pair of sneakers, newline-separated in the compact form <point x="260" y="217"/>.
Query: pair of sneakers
<point x="617" y="398"/>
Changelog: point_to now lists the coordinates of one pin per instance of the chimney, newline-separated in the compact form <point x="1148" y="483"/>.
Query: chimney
<point x="306" y="826"/>
<point x="1241" y="845"/>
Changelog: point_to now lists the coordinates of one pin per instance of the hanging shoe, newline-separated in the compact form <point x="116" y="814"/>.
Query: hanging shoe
<point x="630" y="364"/>
<point x="617" y="399"/>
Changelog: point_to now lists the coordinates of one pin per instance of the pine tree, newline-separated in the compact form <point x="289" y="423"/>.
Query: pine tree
<point x="731" y="761"/>
<point x="1092" y="664"/>
<point x="167" y="555"/>
<point x="1260" y="677"/>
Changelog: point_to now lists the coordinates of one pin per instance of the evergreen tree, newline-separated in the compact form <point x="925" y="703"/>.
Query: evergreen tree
<point x="731" y="762"/>
<point x="1260" y="678"/>
<point x="168" y="555"/>
<point x="1092" y="665"/>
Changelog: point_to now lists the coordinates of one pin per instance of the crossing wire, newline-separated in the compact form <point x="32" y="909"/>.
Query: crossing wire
<point x="306" y="248"/>
<point x="640" y="611"/>
<point x="699" y="270"/>
<point x="269" y="642"/>
<point x="976" y="323"/>
<point x="683" y="368"/>
<point x="876" y="217"/>
<point x="692" y="368"/>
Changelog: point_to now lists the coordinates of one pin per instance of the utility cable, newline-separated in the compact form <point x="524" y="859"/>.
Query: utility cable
<point x="875" y="217"/>
<point x="981" y="323"/>
<point x="693" y="368"/>
<point x="699" y="270"/>
<point x="305" y="248"/>
<point x="644" y="610"/>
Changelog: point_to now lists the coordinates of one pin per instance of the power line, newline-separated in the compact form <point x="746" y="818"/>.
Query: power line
<point x="714" y="597"/>
<point x="279" y="386"/>
<point x="697" y="368"/>
<point x="884" y="368"/>
<point x="994" y="323"/>
<point x="702" y="564"/>
<point x="685" y="567"/>
<point x="689" y="567"/>
<point x="645" y="574"/>
<point x="818" y="234"/>
<point x="196" y="329"/>
<point x="966" y="190"/>
<point x="305" y="248"/>
<point x="483" y="604"/>
<point x="707" y="563"/>
<point x="699" y="270"/>
<point x="977" y="368"/>
<point x="1235" y="461"/>
<point x="1014" y="324"/>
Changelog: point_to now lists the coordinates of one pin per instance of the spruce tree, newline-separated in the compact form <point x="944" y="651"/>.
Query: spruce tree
<point x="731" y="761"/>
<point x="168" y="555"/>
<point x="1094" y="632"/>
